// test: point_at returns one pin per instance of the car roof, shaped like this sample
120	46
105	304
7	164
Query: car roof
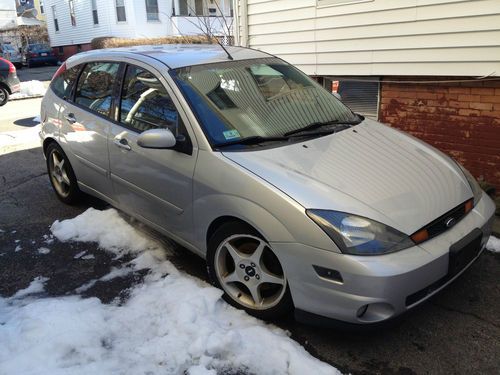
175	55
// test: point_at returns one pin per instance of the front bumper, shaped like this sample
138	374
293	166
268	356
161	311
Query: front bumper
373	289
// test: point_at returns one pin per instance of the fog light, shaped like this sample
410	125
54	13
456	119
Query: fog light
361	311
375	312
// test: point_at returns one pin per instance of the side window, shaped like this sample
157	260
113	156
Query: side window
145	103
95	86
64	82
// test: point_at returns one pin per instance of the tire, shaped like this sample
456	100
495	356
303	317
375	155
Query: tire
238	277
4	95
62	176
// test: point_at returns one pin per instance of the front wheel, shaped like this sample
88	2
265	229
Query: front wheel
4	96
244	266
61	175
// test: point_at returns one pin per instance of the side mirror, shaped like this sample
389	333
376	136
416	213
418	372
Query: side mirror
156	138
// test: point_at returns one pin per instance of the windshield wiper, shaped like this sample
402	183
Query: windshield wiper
253	140
317	125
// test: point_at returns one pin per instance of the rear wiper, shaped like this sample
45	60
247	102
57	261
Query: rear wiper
317	125
253	140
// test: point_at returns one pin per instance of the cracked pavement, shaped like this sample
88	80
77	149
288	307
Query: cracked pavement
457	331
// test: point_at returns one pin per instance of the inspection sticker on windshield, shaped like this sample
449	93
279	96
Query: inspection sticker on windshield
231	134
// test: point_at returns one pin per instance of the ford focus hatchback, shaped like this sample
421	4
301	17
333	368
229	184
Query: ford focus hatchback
296	203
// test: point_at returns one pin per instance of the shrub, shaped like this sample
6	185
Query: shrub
112	42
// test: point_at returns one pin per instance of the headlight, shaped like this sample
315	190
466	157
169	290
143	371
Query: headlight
358	235
476	189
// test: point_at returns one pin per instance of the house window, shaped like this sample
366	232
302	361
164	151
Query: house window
152	11
191	8
54	15
72	12
61	50
95	16
41	7
121	16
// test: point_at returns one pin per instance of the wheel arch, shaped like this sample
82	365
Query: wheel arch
46	142
221	220
5	86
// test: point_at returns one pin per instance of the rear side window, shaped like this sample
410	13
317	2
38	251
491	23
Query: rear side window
63	83
145	103
95	87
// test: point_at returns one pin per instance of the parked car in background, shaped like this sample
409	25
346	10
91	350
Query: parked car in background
294	201
40	54
9	52
9	83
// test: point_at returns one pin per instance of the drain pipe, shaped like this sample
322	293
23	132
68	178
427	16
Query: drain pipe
242	25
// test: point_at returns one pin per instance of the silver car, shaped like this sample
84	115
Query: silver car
297	203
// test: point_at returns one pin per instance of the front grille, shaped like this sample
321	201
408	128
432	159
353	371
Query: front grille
442	223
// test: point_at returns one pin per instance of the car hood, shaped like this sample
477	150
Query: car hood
369	170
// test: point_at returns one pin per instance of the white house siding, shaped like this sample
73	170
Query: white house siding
8	14
136	26
376	37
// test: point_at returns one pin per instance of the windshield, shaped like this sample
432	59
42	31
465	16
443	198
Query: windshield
9	48
256	98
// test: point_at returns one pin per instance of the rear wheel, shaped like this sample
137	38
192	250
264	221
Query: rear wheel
244	266
61	175
4	95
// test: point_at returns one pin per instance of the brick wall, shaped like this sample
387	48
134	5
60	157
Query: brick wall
69	51
461	119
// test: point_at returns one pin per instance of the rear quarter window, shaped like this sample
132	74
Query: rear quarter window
63	84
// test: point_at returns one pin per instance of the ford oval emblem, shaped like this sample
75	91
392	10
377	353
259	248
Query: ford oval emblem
450	222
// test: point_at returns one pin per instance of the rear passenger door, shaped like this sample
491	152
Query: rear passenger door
86	121
155	184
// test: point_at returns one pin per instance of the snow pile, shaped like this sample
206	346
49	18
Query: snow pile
30	89
493	244
106	228
20	139
171	324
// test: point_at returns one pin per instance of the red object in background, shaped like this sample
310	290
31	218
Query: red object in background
335	86
12	68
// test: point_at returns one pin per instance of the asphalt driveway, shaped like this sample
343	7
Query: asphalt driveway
457	331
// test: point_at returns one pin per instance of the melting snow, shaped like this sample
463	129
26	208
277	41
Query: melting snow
171	324
30	89
43	250
493	244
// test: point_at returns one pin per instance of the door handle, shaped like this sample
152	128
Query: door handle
70	118
122	143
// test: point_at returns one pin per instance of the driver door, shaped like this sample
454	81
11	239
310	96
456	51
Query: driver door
155	184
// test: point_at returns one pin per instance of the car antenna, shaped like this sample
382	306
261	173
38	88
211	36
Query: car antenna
224	48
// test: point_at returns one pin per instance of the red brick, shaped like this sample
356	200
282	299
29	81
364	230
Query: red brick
456	104
490	99
468	112
495	114
481	106
426	95
459	90
497	91
469	98
482	91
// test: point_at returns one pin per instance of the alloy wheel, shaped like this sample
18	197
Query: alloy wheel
249	272
59	174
